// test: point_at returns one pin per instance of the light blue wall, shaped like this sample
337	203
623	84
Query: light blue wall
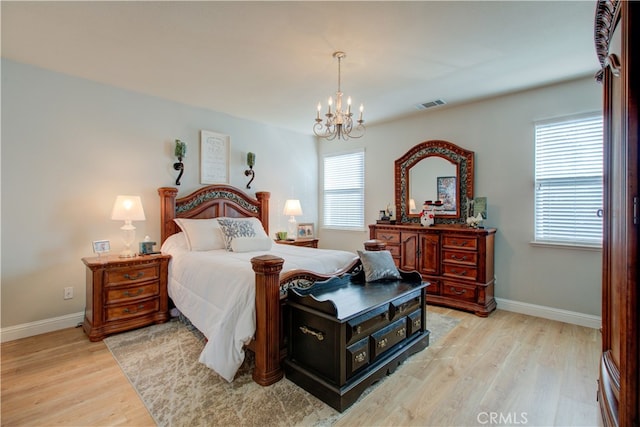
500	132
70	146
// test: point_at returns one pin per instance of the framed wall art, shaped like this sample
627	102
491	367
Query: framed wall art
214	158
447	193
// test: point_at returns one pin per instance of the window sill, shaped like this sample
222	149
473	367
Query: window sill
576	246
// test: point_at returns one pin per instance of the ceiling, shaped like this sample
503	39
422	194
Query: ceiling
271	62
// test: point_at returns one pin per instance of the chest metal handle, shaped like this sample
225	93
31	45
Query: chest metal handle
307	331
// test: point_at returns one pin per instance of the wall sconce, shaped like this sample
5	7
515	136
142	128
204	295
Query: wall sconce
251	161
180	152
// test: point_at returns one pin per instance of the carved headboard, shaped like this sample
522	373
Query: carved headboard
212	201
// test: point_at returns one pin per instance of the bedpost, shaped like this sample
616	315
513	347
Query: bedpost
263	198
167	211
267	339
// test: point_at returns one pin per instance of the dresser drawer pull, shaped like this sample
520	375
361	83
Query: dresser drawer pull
133	294
319	335
457	258
386	236
361	357
137	276
358	329
458	292
127	311
383	343
459	272
401	332
417	323
460	243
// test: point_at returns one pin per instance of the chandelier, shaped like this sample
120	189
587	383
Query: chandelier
338	124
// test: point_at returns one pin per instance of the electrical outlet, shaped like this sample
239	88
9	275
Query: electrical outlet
68	292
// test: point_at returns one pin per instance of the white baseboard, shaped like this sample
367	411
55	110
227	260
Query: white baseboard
40	327
575	318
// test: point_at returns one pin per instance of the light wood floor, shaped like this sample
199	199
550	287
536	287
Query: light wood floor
507	369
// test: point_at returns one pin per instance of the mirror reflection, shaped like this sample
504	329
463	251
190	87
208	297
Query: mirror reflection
433	178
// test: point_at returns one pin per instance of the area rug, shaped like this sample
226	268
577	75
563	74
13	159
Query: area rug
161	362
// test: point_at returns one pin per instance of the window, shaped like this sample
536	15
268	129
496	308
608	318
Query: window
343	195
568	181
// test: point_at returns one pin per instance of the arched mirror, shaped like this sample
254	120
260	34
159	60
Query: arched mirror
434	170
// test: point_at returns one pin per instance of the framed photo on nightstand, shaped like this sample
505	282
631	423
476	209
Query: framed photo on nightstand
305	231
101	246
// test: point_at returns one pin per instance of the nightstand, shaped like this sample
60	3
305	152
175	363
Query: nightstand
310	243
125	293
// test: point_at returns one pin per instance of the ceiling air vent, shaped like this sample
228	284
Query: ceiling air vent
430	104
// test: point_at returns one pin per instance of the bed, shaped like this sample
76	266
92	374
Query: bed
260	273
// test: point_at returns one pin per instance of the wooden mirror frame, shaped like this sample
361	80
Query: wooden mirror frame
463	159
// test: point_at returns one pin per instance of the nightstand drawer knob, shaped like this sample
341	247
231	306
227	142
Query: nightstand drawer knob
383	343
361	357
133	294
401	332
127	311
137	276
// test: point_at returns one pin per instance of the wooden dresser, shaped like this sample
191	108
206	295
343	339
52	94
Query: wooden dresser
125	293
344	335
455	259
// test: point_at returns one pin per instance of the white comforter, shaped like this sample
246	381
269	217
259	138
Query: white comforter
216	291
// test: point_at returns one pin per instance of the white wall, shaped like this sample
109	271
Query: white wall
500	132
70	146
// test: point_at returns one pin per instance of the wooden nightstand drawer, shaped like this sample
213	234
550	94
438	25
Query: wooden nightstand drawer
460	242
119	312
142	291
130	274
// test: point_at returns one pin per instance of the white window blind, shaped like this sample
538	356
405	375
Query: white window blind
344	191
568	181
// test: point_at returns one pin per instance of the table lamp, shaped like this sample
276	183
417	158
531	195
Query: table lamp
292	208
127	209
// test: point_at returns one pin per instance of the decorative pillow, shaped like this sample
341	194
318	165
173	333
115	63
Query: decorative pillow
378	265
233	228
251	244
201	234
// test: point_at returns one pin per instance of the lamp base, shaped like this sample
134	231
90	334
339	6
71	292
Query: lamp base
128	253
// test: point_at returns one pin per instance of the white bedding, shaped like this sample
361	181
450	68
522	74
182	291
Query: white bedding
215	289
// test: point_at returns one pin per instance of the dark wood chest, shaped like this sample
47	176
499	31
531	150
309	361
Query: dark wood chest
345	335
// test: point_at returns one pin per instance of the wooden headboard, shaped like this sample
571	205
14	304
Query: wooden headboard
212	201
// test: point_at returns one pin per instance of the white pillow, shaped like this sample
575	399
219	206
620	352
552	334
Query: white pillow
232	228
201	234
251	244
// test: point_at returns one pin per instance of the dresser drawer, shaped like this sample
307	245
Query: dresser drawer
386	338
459	291
125	311
460	257
460	242
357	356
142	291
122	275
388	236
460	271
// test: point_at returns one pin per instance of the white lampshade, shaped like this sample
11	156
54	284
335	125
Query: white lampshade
127	209
292	207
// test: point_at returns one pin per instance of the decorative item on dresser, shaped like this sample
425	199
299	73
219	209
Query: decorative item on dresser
616	38
125	293
456	259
